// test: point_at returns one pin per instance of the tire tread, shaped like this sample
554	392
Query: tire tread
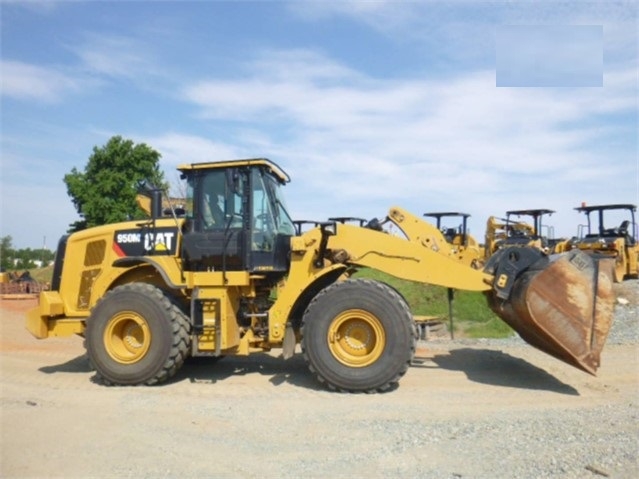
180	326
406	317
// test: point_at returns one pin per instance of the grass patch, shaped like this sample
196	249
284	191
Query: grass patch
42	275
493	328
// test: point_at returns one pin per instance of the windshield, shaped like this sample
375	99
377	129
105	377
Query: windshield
269	212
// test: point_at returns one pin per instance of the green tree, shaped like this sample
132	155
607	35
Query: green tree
105	191
6	253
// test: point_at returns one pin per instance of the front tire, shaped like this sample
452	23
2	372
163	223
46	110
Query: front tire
136	335
358	336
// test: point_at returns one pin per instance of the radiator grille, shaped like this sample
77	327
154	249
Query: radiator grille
94	254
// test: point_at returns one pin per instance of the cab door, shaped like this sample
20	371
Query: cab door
271	225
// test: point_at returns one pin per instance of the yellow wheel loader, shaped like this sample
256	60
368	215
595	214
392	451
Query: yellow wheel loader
618	242
233	274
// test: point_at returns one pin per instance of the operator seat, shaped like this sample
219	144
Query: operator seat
213	214
623	232
450	234
623	227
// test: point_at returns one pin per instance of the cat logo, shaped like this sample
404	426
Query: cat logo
145	241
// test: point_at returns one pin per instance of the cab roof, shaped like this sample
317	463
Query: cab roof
533	212
620	206
271	166
438	214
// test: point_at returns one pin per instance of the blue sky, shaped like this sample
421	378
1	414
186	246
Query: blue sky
366	105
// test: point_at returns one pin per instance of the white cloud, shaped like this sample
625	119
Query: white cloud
462	33
395	117
115	56
383	14
30	82
101	56
453	142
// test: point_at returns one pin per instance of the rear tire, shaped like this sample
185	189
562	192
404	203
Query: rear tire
358	336
136	335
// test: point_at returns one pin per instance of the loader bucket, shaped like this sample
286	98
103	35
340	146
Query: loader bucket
560	304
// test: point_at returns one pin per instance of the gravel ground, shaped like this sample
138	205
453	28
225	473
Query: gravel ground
557	439
547	445
625	328
466	409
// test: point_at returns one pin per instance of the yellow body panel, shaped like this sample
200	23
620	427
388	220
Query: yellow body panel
51	303
217	278
89	274
43	322
37	324
87	267
42	326
626	256
633	260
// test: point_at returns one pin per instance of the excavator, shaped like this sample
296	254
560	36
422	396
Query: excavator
233	274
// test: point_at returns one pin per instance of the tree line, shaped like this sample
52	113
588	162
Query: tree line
22	259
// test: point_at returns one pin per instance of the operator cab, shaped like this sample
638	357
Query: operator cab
597	228
236	219
457	235
521	235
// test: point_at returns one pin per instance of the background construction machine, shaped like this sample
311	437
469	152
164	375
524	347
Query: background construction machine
510	231
457	241
617	242
236	275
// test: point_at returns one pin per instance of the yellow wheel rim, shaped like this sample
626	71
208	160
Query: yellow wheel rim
127	337
356	338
